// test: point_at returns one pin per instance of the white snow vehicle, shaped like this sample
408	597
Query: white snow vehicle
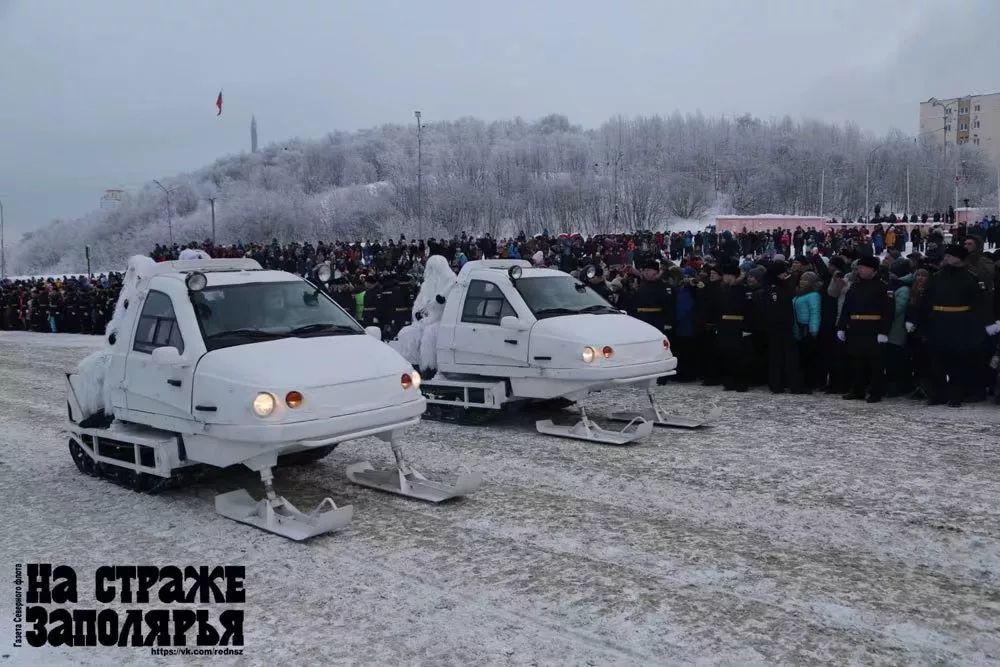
508	333
218	362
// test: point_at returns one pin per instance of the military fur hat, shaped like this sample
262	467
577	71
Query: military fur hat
956	250
901	267
777	267
869	261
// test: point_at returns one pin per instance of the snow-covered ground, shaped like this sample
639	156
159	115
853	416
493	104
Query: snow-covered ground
799	530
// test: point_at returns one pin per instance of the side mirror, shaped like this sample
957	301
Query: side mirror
511	322
168	356
374	332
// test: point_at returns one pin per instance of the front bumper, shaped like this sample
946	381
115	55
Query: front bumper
615	374
226	444
575	382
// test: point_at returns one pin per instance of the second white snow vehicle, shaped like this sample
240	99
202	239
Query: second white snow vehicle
510	333
218	362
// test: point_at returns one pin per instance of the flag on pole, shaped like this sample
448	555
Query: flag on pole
218	103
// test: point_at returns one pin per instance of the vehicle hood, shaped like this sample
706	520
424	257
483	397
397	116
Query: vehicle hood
337	375
592	329
304	362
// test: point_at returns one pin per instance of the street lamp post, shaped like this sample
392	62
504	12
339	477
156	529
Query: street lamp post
867	170
170	223
420	213
212	200
935	102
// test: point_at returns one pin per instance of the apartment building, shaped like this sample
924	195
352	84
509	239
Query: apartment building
974	119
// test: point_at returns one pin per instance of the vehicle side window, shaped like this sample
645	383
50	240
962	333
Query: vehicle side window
157	325
485	304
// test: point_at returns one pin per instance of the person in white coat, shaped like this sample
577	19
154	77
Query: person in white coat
417	342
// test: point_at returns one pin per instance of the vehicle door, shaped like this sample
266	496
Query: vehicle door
151	386
479	338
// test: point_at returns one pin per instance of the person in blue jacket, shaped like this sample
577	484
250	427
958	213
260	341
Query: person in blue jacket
807	305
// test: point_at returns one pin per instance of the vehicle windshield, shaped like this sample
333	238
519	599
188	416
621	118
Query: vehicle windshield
252	312
551	296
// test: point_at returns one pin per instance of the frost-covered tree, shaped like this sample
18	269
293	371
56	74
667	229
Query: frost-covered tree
514	175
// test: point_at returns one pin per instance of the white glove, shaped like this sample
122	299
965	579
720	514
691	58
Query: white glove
842	336
993	329
910	327
747	333
882	339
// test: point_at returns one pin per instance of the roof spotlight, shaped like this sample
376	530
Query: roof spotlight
324	273
196	281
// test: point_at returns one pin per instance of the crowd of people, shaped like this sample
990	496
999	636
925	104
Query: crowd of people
70	304
866	311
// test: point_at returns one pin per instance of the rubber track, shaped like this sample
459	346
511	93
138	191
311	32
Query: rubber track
128	478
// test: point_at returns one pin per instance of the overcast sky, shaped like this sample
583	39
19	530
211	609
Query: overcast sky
112	93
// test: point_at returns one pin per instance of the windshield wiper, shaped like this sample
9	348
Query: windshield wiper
323	328
246	333
555	311
598	307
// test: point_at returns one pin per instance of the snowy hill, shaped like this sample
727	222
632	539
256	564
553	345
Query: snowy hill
507	176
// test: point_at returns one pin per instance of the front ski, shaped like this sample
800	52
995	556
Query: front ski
657	416
404	480
413	484
281	517
277	515
585	429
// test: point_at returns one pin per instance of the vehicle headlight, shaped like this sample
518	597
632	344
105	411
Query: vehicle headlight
293	399
666	345
608	351
263	404
407	381
589	354
416	379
